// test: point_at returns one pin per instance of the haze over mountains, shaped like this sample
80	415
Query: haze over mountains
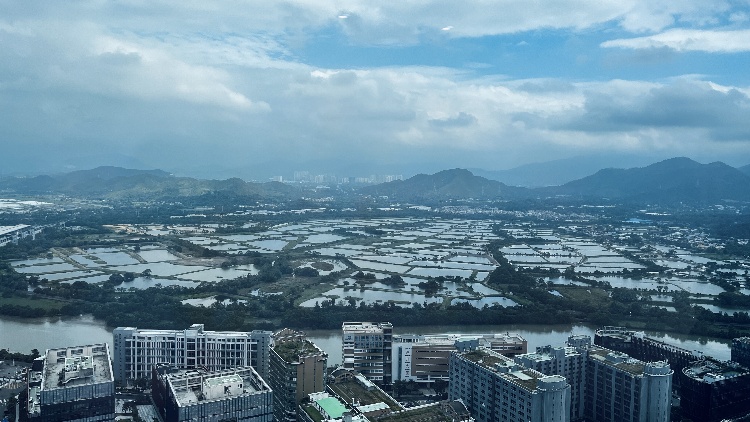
673	180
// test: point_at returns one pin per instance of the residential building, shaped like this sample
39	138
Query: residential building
424	358
741	351
236	394
12	234
297	369
621	389
72	384
567	361
713	391
366	348
494	388
138	351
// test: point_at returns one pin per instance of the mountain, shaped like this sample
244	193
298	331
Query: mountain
745	169
558	172
446	184
673	180
128	184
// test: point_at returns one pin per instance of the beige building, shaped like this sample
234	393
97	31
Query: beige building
297	369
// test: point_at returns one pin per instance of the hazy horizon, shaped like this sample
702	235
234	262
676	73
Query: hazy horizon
254	89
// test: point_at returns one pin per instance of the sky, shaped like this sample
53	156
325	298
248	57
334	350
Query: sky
259	88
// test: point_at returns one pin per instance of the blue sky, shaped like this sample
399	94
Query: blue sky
247	88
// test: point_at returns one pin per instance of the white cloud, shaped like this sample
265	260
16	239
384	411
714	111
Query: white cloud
711	41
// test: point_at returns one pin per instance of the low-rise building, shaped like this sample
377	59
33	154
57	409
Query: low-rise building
237	394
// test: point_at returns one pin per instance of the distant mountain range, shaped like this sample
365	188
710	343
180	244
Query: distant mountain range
669	181
446	184
119	183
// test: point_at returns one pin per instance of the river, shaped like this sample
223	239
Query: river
22	335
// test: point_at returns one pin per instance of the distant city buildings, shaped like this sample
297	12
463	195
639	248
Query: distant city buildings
237	394
72	384
138	351
366	348
297	369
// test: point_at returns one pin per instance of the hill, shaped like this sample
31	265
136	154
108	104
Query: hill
118	183
745	169
446	184
673	180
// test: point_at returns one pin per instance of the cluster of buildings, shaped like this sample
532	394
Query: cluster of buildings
12	234
201	375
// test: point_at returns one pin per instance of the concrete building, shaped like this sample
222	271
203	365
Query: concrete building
567	361
237	394
366	348
741	351
620	388
138	351
297	369
494	388
713	391
12	234
72	384
424	358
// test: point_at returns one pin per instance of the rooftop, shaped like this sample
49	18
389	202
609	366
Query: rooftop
10	229
190	387
617	360
79	365
710	370
352	390
293	350
505	368
365	327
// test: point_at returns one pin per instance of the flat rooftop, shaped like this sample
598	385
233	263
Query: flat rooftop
710	370
365	327
505	368
194	386
10	229
74	366
293	350
617	360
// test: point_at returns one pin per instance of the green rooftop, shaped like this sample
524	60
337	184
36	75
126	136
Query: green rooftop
292	350
332	406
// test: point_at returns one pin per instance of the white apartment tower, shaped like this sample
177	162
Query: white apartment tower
138	351
366	348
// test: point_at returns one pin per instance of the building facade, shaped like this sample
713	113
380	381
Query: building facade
366	348
237	394
72	384
297	369
494	388
138	351
567	361
621	389
741	351
424	358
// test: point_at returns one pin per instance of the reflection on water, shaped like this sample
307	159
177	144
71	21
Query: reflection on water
22	335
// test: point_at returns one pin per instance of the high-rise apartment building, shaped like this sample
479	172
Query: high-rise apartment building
366	348
622	389
568	361
494	388
138	351
72	384
297	369
236	394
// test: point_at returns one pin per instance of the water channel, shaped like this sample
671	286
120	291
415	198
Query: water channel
22	335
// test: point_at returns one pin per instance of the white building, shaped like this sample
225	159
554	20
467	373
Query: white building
494	388
138	351
12	234
366	348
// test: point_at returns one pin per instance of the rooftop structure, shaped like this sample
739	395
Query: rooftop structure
72	382
714	390
12	234
238	394
297	369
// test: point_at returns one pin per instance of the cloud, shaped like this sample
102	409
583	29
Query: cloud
710	41
460	120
